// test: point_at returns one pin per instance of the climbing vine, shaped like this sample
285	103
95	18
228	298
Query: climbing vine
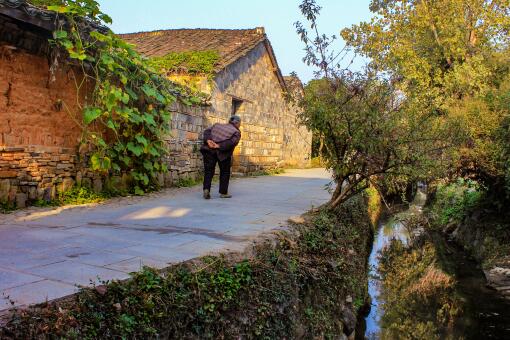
190	62
126	119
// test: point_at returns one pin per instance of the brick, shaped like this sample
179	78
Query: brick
8	174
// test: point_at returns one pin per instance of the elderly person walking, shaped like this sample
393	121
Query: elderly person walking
220	141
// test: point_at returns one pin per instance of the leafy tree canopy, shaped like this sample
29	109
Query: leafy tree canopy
451	58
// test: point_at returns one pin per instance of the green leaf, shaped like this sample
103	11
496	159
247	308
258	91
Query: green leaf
145	179
90	114
137	150
153	151
100	163
101	142
60	34
110	124
125	98
58	9
95	161
131	93
126	160
142	140
148	165
149	119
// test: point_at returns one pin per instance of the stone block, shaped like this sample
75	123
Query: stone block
32	193
8	173
67	184
86	182
113	183
126	181
97	185
12	193
5	188
79	177
21	200
161	179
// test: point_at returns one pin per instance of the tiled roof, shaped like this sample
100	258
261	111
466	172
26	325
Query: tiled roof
22	10
231	44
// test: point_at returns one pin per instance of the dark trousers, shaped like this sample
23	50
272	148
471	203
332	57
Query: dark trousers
210	160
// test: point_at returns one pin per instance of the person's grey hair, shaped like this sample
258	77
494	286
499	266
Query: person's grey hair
235	119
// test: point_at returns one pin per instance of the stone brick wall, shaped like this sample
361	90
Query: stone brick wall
184	160
297	140
40	119
37	172
270	136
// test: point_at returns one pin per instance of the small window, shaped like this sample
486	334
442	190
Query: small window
237	105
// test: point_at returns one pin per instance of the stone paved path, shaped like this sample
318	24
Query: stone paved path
47	255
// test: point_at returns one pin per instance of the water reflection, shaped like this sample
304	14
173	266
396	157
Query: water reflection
483	315
388	230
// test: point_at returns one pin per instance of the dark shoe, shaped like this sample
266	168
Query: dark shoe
207	194
225	196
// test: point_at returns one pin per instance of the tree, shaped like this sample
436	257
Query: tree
369	132
451	58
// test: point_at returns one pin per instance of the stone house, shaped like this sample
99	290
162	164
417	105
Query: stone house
247	81
40	115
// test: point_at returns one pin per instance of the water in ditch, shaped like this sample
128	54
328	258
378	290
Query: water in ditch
483	313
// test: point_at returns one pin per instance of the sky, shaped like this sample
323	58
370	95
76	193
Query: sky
276	16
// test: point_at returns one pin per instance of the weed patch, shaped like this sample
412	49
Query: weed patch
268	172
188	182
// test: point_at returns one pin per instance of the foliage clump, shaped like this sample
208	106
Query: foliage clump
292	286
125	119
453	202
189	62
75	196
368	132
466	210
449	58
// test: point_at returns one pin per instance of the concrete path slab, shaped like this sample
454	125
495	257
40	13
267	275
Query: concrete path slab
47	254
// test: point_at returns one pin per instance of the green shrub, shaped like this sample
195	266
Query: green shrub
454	201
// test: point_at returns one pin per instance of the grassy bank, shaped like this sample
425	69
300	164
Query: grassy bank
306	282
466	212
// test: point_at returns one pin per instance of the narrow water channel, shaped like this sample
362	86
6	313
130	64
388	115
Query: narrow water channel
485	315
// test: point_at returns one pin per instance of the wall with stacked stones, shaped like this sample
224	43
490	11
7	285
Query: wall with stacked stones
297	140
40	123
38	133
268	121
184	160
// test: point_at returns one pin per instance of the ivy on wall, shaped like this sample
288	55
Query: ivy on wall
126	119
189	62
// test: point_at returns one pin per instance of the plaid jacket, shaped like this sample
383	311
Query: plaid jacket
227	136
